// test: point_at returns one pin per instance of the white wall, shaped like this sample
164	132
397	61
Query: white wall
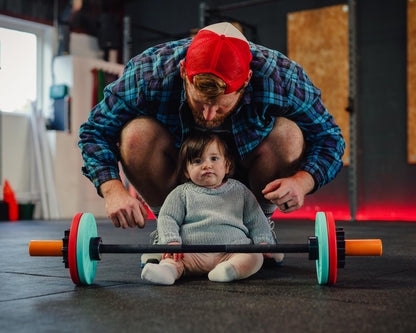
75	192
17	155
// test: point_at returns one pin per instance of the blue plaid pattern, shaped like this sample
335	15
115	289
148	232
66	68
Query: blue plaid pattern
151	85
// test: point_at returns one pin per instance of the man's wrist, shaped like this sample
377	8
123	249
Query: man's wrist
307	181
111	186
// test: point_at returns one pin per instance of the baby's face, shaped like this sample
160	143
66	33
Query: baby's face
210	169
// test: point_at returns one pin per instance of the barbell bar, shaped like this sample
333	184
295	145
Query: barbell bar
81	248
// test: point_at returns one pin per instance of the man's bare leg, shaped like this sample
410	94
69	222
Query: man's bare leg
276	157
149	157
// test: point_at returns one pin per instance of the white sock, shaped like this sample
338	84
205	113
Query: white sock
278	257
223	272
164	274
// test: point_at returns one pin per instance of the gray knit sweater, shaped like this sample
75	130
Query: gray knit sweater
229	214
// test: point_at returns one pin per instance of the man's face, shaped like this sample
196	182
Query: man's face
210	113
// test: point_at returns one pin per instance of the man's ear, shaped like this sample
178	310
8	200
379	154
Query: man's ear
183	69
250	73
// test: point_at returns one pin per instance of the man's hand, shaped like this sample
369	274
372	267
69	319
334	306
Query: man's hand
123	210
289	193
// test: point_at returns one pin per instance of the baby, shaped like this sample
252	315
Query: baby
208	209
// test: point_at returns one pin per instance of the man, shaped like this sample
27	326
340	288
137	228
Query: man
286	143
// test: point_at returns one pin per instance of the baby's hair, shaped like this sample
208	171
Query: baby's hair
194	146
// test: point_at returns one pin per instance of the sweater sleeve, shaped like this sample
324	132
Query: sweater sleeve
171	217
255	220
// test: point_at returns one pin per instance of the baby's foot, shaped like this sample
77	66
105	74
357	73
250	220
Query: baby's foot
159	274
223	272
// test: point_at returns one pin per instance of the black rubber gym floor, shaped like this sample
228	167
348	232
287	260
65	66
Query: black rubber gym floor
372	294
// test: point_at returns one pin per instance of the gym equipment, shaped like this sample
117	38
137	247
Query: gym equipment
81	248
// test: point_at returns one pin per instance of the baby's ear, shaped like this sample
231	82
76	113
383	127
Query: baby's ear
231	168
228	168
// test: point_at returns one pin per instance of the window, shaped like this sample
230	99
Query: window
25	52
18	70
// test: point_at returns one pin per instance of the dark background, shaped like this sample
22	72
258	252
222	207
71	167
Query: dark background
386	182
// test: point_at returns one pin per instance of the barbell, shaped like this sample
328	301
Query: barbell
81	248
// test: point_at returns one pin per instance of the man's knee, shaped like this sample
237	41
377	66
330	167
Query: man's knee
148	156
278	155
142	136
285	141
138	133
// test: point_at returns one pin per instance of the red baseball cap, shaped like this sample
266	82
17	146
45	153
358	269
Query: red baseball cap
220	49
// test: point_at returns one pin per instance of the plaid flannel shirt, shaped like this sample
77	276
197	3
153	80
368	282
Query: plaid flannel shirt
151	85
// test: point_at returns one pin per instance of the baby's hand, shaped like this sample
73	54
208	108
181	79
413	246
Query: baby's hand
266	255
174	256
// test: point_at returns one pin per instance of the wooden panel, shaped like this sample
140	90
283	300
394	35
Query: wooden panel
318	41
411	81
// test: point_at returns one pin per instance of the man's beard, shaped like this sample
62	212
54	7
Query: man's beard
200	120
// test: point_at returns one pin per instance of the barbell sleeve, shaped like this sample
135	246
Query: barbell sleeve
51	248
363	247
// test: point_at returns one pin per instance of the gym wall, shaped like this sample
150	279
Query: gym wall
386	182
386	179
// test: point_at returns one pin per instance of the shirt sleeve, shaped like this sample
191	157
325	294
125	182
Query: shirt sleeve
100	135
324	141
